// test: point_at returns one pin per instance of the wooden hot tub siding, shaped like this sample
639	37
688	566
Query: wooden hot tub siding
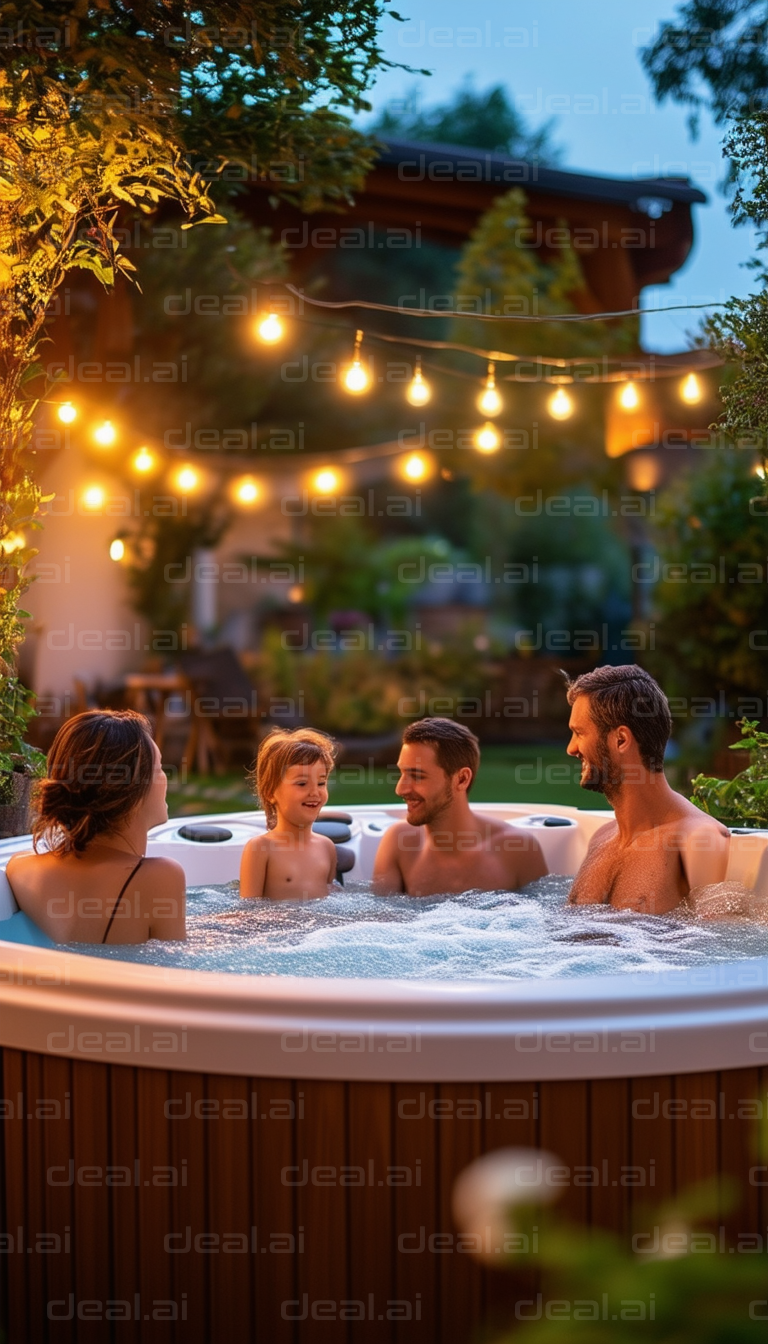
229	1181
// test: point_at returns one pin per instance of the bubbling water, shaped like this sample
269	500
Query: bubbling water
475	936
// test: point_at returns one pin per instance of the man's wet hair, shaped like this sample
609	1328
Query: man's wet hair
455	746
627	696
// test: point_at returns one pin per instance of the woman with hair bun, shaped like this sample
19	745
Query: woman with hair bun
103	791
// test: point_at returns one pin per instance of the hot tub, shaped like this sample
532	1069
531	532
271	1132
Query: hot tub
199	1156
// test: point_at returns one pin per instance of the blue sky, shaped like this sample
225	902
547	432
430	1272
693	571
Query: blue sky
559	59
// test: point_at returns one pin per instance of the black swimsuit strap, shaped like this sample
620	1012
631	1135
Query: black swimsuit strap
126	883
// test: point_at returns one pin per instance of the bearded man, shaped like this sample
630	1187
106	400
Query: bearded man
443	846
660	846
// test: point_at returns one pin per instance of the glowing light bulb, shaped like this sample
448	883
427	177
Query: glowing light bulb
117	549
690	390
67	412
14	541
489	401
326	481
105	434
487	439
143	460
356	379
418	392
93	497
246	491
560	405
187	479
270	329
415	467
629	398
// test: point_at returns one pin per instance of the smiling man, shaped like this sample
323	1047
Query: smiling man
660	846
443	846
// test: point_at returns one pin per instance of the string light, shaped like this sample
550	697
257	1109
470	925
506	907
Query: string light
690	389
187	479
270	329
629	398
489	401
560	405
117	549
246	490
105	434
419	391
415	468
144	461
93	497
326	481
356	377
67	412
487	438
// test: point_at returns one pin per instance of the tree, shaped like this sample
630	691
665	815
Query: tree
486	120
713	53
109	105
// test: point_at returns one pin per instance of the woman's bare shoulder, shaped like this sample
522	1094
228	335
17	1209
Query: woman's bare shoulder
163	869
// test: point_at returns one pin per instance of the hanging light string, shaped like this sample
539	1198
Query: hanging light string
626	369
492	317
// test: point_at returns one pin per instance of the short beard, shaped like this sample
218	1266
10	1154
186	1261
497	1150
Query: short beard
604	777
438	805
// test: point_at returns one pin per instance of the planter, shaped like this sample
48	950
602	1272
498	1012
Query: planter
15	814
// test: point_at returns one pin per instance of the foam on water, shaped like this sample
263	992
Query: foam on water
475	936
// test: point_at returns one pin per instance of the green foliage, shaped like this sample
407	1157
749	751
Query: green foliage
365	692
608	1295
709	534
714	53
742	801
349	569
486	120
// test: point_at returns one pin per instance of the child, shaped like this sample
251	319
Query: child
291	782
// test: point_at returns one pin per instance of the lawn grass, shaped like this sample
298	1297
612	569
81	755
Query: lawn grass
508	774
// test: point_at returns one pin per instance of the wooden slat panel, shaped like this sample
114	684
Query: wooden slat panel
563	1131
609	1157
739	1098
35	1222
680	1130
652	1147
124	1154
188	1204
416	1142
155	1207
280	1109
695	1127
59	1200
460	1124
510	1120
90	1131
16	1178
229	1180
321	1151
372	1246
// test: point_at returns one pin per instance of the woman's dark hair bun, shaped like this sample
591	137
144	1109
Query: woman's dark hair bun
100	767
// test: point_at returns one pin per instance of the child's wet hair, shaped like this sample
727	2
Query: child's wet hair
281	749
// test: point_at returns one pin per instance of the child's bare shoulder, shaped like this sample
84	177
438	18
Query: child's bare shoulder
259	842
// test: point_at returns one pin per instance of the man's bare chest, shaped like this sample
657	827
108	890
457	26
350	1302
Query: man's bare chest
628	875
